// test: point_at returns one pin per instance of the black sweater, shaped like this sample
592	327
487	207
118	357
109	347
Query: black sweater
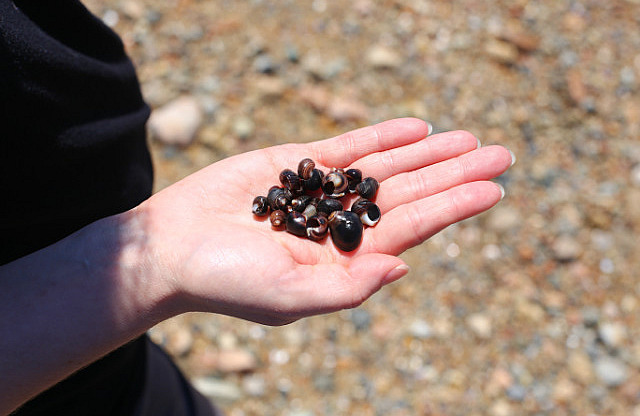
72	150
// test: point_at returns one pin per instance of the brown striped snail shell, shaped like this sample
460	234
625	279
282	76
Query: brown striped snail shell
346	230
317	227
297	224
367	188
290	180
305	168
260	206
278	218
368	211
354	177
335	184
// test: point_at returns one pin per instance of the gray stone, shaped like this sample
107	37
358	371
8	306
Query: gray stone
612	335
254	385
420	329
361	319
611	371
265	64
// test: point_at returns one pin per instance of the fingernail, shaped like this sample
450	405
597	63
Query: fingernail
429	128
479	143
502	193
513	158
396	273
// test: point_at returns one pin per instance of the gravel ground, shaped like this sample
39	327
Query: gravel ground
529	309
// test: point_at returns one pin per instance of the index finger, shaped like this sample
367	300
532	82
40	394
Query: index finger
342	150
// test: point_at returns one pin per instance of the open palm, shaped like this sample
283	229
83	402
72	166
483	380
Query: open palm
221	258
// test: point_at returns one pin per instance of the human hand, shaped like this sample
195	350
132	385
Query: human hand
216	256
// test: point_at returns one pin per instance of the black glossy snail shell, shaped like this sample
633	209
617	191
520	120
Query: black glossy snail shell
305	168
368	211
329	205
299	203
335	184
346	230
367	188
290	180
317	227
297	224
354	177
278	199
314	182
260	206
278	218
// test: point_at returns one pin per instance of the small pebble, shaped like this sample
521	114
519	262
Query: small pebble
611	371
265	64
361	319
480	324
243	127
566	248
177	122
580	367
236	361
612	335
217	390
254	385
501	51
420	329
382	57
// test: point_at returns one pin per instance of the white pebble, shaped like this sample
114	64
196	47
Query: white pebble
177	122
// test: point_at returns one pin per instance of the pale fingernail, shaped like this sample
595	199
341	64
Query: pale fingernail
502	192
479	143
396	273
429	128
513	158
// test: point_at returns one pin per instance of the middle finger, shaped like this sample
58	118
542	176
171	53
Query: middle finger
481	164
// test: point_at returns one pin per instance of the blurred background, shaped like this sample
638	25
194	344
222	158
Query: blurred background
532	308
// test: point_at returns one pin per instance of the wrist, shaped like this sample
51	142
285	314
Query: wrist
139	265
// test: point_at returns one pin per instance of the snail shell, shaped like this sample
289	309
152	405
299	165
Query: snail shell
297	224
335	184
317	227
368	212
300	203
346	230
327	206
277	198
290	180
310	211
305	168
314	181
367	188
354	177
278	217
260	206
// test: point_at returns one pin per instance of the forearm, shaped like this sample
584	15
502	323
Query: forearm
67	305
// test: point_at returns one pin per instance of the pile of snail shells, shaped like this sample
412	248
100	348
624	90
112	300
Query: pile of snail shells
293	206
